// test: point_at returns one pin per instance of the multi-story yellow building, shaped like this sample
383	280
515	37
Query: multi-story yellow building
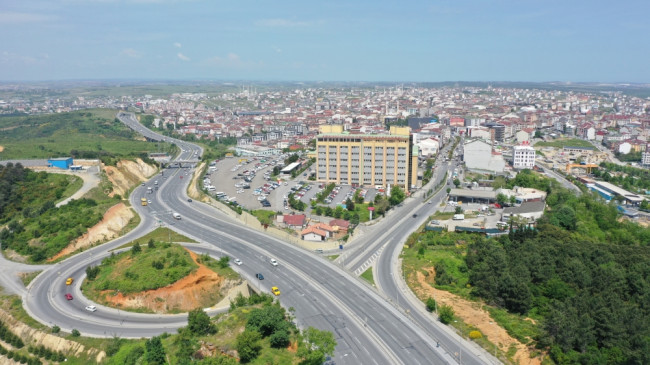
366	159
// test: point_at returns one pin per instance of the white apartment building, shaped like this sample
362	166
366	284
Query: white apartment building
523	156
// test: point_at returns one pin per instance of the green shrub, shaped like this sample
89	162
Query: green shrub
431	304
75	333
446	314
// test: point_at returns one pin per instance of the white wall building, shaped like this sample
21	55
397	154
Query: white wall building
478	156
428	147
523	156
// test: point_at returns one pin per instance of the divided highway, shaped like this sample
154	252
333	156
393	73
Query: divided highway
369	329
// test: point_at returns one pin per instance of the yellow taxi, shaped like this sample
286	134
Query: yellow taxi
69	281
275	290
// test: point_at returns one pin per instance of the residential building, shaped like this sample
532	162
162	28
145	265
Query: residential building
366	159
478	156
523	156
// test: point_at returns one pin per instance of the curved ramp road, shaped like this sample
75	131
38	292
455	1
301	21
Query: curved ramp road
368	328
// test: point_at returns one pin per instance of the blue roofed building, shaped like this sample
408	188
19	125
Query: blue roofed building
62	162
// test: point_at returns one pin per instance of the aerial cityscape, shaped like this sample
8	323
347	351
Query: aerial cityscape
188	182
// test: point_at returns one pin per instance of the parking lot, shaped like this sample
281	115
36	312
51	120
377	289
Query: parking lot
247	182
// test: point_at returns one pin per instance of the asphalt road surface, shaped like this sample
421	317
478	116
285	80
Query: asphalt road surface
368	327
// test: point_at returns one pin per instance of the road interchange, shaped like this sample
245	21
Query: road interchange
369	327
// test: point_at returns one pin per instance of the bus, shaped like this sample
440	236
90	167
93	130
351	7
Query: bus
143	201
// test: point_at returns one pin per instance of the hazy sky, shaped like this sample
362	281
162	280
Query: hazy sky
354	40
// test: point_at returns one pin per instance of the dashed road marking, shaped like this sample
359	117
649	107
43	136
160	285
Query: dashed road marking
368	262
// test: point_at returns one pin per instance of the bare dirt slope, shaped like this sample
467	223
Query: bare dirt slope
35	337
473	314
111	225
202	288
126	174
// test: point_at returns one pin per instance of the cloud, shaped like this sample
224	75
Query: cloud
14	58
21	18
177	45
131	53
282	23
182	57
277	49
232	60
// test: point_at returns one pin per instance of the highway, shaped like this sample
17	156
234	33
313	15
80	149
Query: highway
369	328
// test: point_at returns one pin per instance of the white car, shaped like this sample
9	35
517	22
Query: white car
274	262
237	261
91	308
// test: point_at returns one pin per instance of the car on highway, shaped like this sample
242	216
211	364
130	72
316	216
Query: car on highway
259	276
415	215
91	308
69	281
68	296
189	200
237	261
273	262
275	290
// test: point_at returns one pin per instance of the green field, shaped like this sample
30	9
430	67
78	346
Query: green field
561	143
92	134
130	272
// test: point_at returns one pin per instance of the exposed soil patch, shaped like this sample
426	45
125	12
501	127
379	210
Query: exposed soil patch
202	288
127	174
193	191
35	337
2	148
473	314
109	227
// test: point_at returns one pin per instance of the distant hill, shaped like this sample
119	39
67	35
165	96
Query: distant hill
93	133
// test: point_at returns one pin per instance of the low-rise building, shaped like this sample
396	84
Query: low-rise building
523	156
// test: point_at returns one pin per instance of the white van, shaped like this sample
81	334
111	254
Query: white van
176	216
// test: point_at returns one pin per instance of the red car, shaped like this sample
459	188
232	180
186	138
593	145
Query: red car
68	296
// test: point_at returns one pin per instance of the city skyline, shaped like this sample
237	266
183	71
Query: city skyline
293	41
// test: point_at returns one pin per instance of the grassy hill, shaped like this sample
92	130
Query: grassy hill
93	133
132	271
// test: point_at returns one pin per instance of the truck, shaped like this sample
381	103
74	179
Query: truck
143	201
149	190
459	217
176	216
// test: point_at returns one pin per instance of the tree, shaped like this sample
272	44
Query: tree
266	320
136	249
501	199
431	304
566	218
456	182
155	352
458	210
315	346
446	314
198	322
397	195
92	272
279	339
224	262
349	205
151	244
248	345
